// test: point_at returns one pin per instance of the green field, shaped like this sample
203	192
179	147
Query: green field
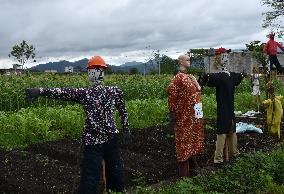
23	123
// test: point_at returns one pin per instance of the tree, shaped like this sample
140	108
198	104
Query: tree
23	53
78	68
108	71
256	49
15	66
197	59
166	65
133	70
198	53
274	18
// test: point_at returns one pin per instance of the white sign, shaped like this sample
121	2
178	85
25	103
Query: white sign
198	110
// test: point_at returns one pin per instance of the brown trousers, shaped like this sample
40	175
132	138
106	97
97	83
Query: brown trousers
183	169
229	140
187	167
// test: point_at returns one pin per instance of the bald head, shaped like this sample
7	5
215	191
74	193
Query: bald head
182	58
184	62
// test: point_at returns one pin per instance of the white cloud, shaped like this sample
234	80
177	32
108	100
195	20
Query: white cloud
70	29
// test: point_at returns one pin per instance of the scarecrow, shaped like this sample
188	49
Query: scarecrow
225	83
274	111
100	132
270	49
184	101
255	86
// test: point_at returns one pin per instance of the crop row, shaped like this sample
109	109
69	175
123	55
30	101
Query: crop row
12	97
36	124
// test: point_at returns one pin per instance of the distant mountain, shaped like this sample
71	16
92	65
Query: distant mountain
133	63
60	66
81	66
126	67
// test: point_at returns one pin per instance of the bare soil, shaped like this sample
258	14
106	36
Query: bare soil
54	167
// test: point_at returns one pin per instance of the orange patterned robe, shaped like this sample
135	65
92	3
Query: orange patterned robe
183	94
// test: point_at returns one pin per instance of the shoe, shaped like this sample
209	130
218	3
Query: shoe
195	172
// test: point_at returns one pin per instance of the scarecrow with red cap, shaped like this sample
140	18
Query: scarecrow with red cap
270	49
100	131
225	83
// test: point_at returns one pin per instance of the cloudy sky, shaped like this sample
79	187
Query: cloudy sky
126	30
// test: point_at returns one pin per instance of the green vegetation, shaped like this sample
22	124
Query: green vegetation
23	123
36	124
134	87
260	173
256	49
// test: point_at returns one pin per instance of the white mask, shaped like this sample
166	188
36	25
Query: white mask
96	75
224	62
224	59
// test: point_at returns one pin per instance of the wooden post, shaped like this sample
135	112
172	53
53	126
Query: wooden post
226	150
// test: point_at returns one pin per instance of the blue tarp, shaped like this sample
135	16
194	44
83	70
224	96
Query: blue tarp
245	127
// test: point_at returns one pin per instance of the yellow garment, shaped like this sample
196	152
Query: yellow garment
273	121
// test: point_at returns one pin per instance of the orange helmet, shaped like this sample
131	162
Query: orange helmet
96	61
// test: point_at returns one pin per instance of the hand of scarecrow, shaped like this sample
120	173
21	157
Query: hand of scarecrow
32	93
199	79
172	120
203	79
245	75
263	105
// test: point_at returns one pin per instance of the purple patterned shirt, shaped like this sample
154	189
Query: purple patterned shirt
98	103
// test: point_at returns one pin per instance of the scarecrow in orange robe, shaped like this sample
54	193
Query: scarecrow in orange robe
184	101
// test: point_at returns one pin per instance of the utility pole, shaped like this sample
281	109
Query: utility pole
159	61
211	53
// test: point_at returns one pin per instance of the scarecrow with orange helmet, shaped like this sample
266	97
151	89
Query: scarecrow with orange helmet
100	131
270	49
225	83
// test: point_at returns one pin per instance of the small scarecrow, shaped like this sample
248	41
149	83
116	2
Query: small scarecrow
255	86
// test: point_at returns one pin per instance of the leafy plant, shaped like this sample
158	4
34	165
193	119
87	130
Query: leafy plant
254	174
256	49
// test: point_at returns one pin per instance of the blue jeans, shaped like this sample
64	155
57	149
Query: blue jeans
92	164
